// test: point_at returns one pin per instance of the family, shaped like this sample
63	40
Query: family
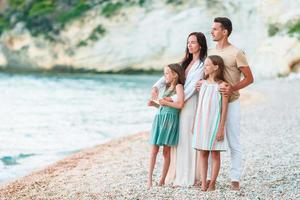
199	112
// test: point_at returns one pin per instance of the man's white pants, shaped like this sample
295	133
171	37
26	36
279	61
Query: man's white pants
233	140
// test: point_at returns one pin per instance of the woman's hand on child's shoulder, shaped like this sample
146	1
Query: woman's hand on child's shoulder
198	84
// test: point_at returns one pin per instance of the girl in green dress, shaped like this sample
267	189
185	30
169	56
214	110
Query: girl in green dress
165	125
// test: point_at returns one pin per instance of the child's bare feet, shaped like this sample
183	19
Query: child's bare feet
149	184
207	183
161	183
197	184
203	187
212	186
235	185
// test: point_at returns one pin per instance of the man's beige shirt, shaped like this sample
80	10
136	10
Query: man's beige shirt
234	58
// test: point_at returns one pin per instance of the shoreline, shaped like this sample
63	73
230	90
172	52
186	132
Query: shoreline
83	157
118	169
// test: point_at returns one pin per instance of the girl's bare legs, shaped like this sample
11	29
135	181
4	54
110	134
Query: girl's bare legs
203	168
215	170
153	155
166	154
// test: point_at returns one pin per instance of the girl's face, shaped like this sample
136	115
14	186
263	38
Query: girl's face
193	44
170	76
209	67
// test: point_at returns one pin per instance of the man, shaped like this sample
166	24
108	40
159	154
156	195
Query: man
235	65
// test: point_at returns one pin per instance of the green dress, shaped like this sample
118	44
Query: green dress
165	125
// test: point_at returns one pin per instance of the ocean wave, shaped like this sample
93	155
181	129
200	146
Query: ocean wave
13	160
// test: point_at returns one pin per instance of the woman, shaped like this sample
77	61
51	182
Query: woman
182	171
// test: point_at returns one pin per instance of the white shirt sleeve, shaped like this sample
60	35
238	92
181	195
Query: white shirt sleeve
161	83
190	88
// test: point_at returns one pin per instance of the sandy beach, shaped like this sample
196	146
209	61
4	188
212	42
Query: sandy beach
118	169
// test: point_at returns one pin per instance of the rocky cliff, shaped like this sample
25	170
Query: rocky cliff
143	35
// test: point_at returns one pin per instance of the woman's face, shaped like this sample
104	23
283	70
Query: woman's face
209	67
169	75
193	45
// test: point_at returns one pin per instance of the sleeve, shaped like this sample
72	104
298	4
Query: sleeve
241	59
190	88
161	83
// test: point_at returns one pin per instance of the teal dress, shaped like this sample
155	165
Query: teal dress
165	125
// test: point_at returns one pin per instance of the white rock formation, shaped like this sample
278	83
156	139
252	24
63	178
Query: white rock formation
151	37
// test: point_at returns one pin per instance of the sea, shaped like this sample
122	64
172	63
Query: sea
45	117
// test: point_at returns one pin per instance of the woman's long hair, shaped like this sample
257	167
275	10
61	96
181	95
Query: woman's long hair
201	39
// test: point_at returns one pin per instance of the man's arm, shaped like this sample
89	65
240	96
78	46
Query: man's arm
247	80
227	89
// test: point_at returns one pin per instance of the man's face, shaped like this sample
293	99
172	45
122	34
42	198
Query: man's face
217	32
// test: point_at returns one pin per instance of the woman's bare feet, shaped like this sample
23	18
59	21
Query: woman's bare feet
235	185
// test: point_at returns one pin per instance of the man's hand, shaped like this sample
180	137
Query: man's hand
226	89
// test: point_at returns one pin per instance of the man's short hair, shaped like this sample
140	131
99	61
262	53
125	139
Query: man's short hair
225	23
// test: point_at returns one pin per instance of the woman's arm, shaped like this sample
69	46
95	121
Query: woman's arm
152	103
190	87
161	83
180	99
198	88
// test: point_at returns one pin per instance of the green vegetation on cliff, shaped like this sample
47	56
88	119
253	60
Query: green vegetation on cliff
49	17
292	28
94	36
42	17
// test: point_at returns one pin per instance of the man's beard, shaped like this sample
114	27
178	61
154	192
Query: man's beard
216	39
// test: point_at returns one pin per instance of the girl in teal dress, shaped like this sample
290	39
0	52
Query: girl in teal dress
165	125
